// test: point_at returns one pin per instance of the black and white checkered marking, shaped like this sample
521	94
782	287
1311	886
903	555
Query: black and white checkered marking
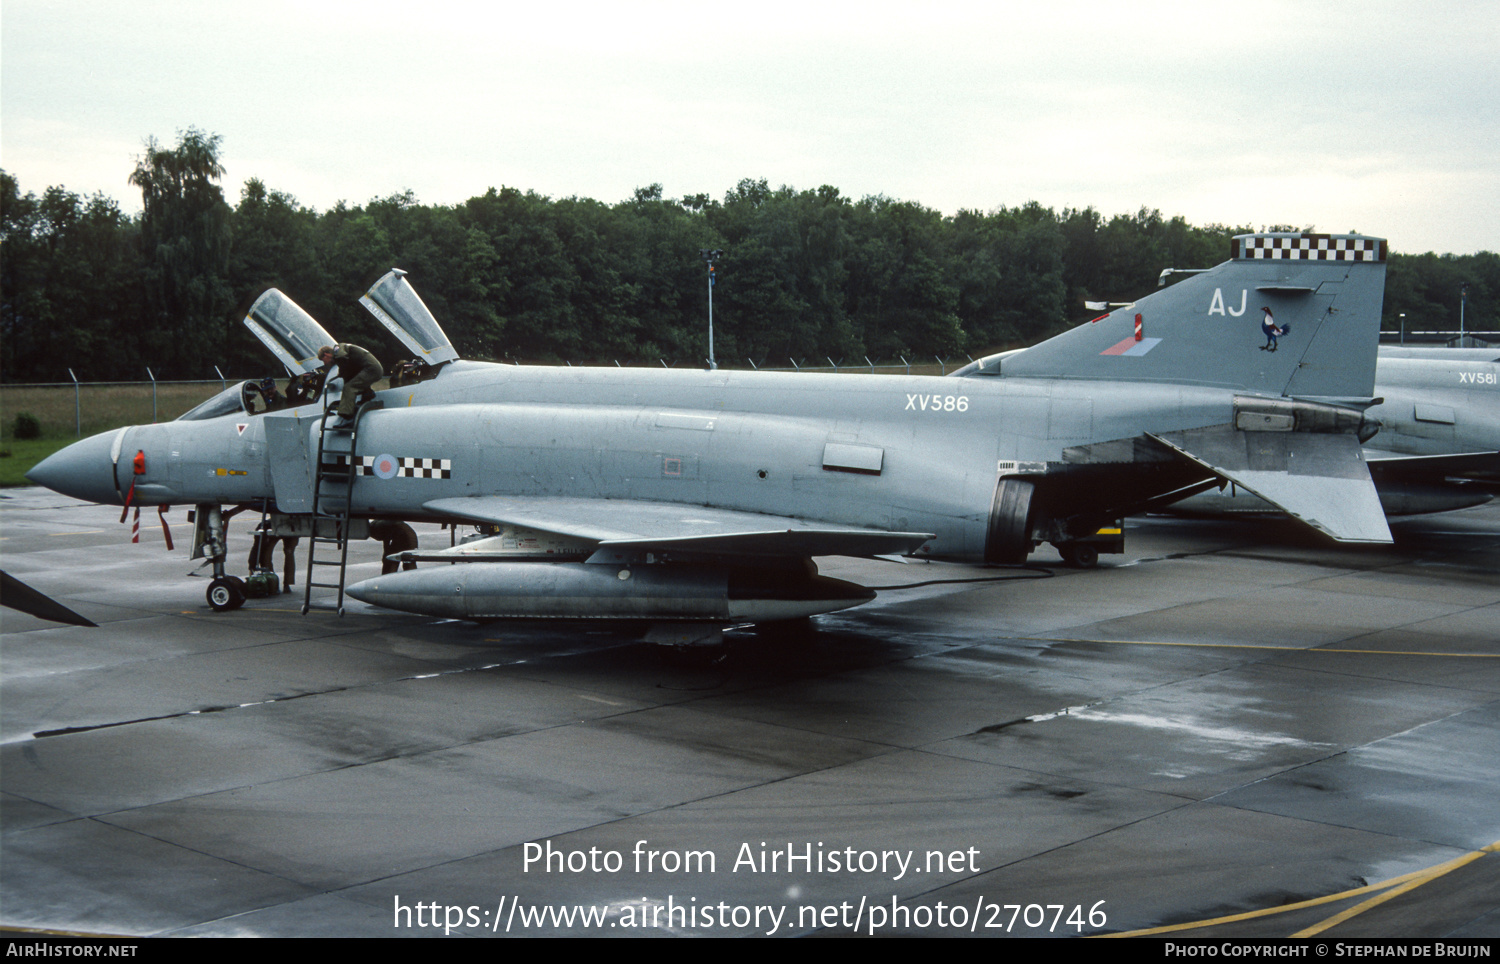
1310	247
407	467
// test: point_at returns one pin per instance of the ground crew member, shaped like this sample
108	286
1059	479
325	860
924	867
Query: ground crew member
358	368
395	537
262	556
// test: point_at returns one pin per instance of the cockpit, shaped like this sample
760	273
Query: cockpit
258	396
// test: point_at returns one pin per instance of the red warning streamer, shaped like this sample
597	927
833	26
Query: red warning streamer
130	494
139	465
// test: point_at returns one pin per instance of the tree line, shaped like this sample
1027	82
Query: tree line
518	276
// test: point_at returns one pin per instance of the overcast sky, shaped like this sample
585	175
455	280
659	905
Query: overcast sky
1377	117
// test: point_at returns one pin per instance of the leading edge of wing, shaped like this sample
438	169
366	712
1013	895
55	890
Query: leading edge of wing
664	526
1319	479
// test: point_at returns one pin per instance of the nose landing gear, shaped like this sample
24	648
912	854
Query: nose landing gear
225	592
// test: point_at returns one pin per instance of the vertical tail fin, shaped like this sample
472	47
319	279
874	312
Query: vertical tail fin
1323	293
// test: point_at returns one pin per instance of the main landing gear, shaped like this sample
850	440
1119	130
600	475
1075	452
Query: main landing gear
1079	555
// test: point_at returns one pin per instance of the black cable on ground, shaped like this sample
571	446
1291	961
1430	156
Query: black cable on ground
1038	572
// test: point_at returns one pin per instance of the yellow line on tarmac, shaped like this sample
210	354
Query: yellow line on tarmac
1392	888
52	932
1426	876
1264	912
1290	649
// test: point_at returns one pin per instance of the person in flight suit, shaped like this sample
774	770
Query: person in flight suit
358	368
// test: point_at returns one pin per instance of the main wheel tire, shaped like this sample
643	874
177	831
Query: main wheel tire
226	593
1008	541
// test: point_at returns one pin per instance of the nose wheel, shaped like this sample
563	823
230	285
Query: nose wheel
226	593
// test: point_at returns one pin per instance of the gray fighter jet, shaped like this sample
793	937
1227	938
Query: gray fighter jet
691	499
1439	444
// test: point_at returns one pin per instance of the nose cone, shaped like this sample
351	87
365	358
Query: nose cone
85	470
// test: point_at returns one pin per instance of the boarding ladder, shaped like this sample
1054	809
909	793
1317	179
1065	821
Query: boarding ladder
337	467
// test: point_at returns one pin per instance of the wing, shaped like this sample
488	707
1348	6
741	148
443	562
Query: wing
637	524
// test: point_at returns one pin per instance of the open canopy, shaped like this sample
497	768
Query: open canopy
396	304
291	333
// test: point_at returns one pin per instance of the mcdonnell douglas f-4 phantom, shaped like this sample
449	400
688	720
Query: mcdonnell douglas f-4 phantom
699	498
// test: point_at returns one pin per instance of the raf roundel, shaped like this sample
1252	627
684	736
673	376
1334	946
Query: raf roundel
386	466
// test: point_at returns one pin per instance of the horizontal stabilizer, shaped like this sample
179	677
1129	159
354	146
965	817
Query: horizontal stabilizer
1320	479
636	524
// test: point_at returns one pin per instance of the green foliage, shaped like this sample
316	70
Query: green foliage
70	283
185	241
1009	269
515	275
1120	259
1427	289
19	457
27	426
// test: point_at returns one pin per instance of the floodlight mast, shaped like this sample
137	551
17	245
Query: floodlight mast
1463	300
710	255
